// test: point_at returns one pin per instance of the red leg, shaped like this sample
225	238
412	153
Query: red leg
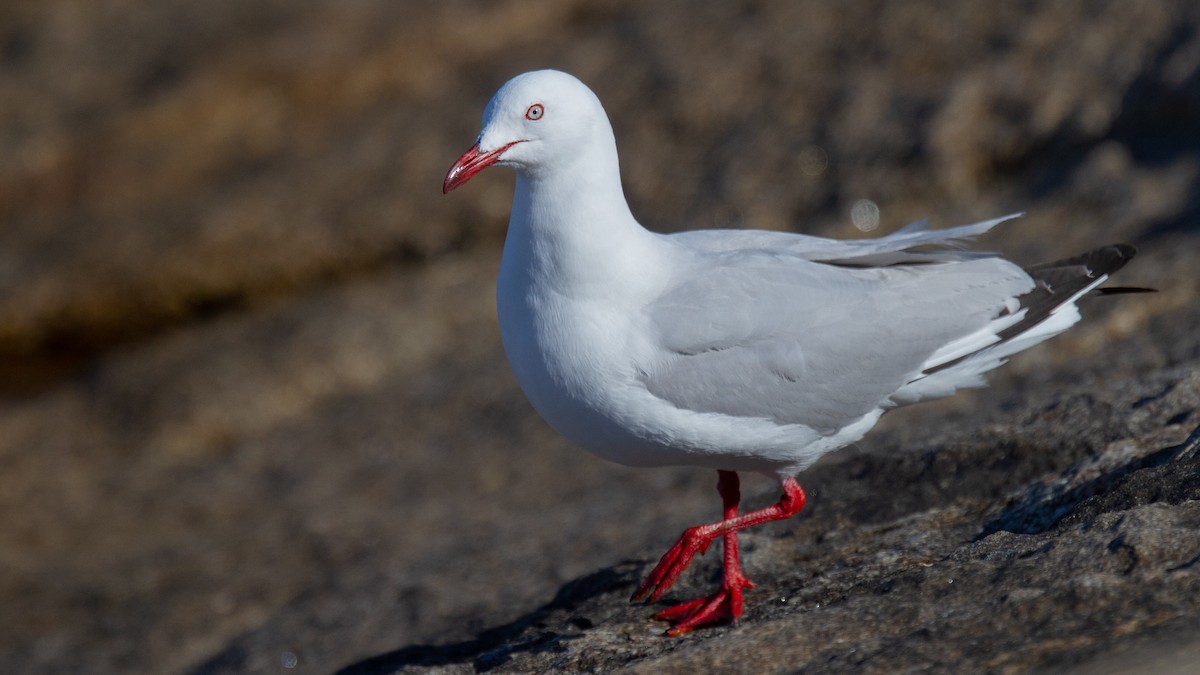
727	602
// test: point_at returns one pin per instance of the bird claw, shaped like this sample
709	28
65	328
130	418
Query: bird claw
693	540
724	605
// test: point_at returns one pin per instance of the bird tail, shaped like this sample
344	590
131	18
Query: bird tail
1048	309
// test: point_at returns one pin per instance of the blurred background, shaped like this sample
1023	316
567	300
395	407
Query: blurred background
248	354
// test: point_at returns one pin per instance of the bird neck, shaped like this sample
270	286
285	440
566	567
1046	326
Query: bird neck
572	227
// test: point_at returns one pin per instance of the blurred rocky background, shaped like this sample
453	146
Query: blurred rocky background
255	417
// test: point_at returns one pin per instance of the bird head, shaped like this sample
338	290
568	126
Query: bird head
537	122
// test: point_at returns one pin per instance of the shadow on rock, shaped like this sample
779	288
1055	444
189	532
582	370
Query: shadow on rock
495	646
1044	506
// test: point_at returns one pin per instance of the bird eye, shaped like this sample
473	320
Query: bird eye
535	112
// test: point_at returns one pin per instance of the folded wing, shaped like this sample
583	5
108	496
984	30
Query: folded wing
811	343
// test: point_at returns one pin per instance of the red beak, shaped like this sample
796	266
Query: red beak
471	163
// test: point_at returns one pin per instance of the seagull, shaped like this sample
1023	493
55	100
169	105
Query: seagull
734	350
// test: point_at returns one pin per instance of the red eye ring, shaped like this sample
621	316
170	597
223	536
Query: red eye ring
534	112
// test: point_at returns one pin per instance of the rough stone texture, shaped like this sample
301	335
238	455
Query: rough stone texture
254	413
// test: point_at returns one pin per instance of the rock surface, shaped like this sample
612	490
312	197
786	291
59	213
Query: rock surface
254	416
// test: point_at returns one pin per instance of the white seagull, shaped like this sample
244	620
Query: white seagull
736	350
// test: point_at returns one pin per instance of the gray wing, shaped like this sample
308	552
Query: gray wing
758	334
912	244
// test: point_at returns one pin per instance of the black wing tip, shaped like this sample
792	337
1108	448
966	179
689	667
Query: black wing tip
1108	259
1121	254
1103	260
1124	253
1123	290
